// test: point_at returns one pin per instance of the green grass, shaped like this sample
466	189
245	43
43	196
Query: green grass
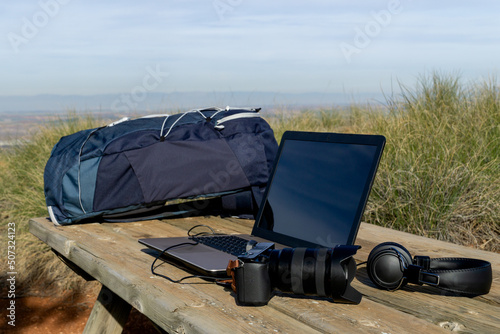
22	197
439	175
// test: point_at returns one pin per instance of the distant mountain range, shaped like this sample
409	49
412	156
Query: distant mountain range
143	101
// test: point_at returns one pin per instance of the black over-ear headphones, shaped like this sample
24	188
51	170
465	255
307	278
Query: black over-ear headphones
390	266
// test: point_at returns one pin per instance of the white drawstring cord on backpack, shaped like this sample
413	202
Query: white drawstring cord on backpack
177	120
221	110
161	131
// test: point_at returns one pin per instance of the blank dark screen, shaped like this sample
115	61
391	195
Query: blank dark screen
317	190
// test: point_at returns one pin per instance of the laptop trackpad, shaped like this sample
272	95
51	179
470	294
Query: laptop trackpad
205	258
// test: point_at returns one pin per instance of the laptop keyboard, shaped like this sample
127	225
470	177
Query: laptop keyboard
227	243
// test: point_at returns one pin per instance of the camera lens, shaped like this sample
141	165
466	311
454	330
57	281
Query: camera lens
324	272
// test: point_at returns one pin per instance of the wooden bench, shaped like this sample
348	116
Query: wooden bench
110	253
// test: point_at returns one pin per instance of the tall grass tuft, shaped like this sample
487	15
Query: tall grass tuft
443	177
439	175
22	198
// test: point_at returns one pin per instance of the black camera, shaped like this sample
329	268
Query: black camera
324	272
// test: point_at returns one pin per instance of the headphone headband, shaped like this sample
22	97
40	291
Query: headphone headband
461	275
390	266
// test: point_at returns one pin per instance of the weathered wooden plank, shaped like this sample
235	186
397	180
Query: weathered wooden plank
175	307
478	314
321	319
472	313
324	321
115	246
469	314
370	235
108	315
417	245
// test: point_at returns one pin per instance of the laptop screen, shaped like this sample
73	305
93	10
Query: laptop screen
319	189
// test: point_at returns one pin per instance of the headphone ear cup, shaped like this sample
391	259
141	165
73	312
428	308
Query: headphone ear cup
386	265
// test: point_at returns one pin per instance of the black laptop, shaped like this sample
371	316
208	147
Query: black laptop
315	197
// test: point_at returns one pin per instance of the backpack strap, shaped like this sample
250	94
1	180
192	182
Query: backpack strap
242	204
158	212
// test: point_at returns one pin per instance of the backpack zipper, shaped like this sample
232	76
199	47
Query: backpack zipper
235	116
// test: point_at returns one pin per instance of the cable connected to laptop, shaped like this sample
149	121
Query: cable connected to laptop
328	272
260	269
194	243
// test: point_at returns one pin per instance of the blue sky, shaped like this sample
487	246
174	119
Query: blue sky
351	48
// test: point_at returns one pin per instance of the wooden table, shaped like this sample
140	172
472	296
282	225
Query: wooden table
110	253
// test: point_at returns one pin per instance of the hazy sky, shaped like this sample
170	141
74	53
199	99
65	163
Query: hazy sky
109	47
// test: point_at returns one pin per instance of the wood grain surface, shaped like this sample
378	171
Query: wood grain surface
110	253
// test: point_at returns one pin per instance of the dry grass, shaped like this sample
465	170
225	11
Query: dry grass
439	176
22	197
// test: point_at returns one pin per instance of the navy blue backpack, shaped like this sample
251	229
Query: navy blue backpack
131	167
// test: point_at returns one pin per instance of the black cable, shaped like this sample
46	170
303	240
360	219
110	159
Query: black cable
201	233
163	252
361	263
216	280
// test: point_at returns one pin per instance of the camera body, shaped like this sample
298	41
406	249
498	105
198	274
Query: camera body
324	272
